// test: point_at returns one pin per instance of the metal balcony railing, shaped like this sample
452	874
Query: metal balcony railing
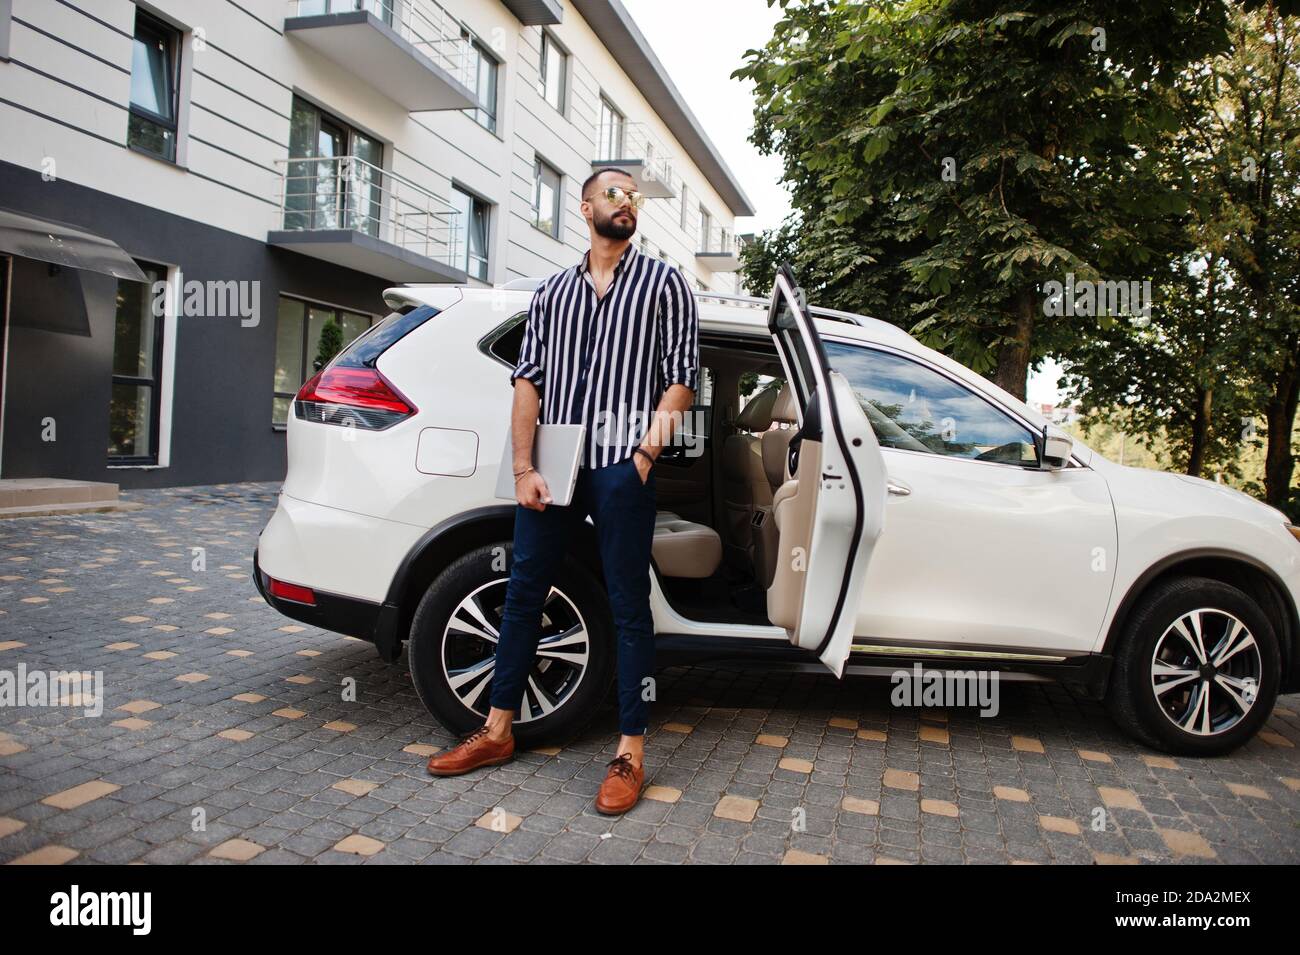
621	141
422	23
349	193
718	248
718	239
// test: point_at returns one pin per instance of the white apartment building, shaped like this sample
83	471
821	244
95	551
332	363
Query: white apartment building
286	160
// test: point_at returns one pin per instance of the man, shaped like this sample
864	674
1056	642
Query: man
612	343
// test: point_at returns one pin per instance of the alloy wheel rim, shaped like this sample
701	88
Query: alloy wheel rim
469	643
1205	672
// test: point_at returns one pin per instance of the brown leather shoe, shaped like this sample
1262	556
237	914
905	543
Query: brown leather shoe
471	752
622	786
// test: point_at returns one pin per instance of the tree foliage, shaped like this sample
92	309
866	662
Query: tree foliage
331	343
948	159
1223	347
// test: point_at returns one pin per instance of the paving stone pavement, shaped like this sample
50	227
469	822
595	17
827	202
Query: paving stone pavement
225	737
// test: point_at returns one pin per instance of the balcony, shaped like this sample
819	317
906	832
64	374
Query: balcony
633	147
349	212
535	13
411	51
720	250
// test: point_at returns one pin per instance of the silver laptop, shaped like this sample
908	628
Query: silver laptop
557	448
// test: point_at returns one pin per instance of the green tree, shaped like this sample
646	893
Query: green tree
331	343
1253	129
1175	379
1223	345
949	157
760	258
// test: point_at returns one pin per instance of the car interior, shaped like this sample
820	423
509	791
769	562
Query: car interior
716	538
720	483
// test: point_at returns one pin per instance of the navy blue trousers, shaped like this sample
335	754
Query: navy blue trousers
622	508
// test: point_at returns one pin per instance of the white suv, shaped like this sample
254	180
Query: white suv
840	494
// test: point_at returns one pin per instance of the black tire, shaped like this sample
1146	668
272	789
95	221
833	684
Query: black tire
1154	718
431	646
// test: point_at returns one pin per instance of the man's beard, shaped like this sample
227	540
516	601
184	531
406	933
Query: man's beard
615	230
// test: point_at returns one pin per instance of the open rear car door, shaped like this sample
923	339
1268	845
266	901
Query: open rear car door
831	508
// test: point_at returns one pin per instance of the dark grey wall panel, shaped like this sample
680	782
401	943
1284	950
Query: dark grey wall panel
41	381
221	410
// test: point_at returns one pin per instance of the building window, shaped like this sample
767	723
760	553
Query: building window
482	83
133	410
470	237
551	72
686	210
612	125
645	246
155	58
297	346
546	198
335	178
706	226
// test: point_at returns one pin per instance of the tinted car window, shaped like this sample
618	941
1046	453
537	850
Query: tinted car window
507	345
914	408
364	350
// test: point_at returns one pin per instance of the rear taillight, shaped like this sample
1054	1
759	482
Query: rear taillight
353	397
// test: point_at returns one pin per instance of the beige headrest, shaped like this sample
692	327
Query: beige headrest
785	409
757	413
775	446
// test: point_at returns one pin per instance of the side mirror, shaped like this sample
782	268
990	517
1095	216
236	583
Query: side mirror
1057	445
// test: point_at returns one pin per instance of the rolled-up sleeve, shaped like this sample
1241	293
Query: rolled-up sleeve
679	333
532	353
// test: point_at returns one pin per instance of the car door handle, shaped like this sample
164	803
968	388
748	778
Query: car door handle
898	488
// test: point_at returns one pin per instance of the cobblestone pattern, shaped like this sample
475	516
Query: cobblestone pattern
225	738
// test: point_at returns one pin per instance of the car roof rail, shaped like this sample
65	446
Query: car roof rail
729	299
522	285
725	298
833	314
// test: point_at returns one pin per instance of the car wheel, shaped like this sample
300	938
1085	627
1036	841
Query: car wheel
452	647
1197	668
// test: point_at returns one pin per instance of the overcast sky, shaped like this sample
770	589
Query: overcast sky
700	61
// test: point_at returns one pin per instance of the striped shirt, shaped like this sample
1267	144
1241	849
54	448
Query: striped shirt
605	362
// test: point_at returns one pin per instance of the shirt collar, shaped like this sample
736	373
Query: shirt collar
623	260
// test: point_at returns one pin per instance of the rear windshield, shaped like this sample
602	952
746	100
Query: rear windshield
365	349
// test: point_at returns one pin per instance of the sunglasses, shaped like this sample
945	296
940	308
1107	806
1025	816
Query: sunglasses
616	196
